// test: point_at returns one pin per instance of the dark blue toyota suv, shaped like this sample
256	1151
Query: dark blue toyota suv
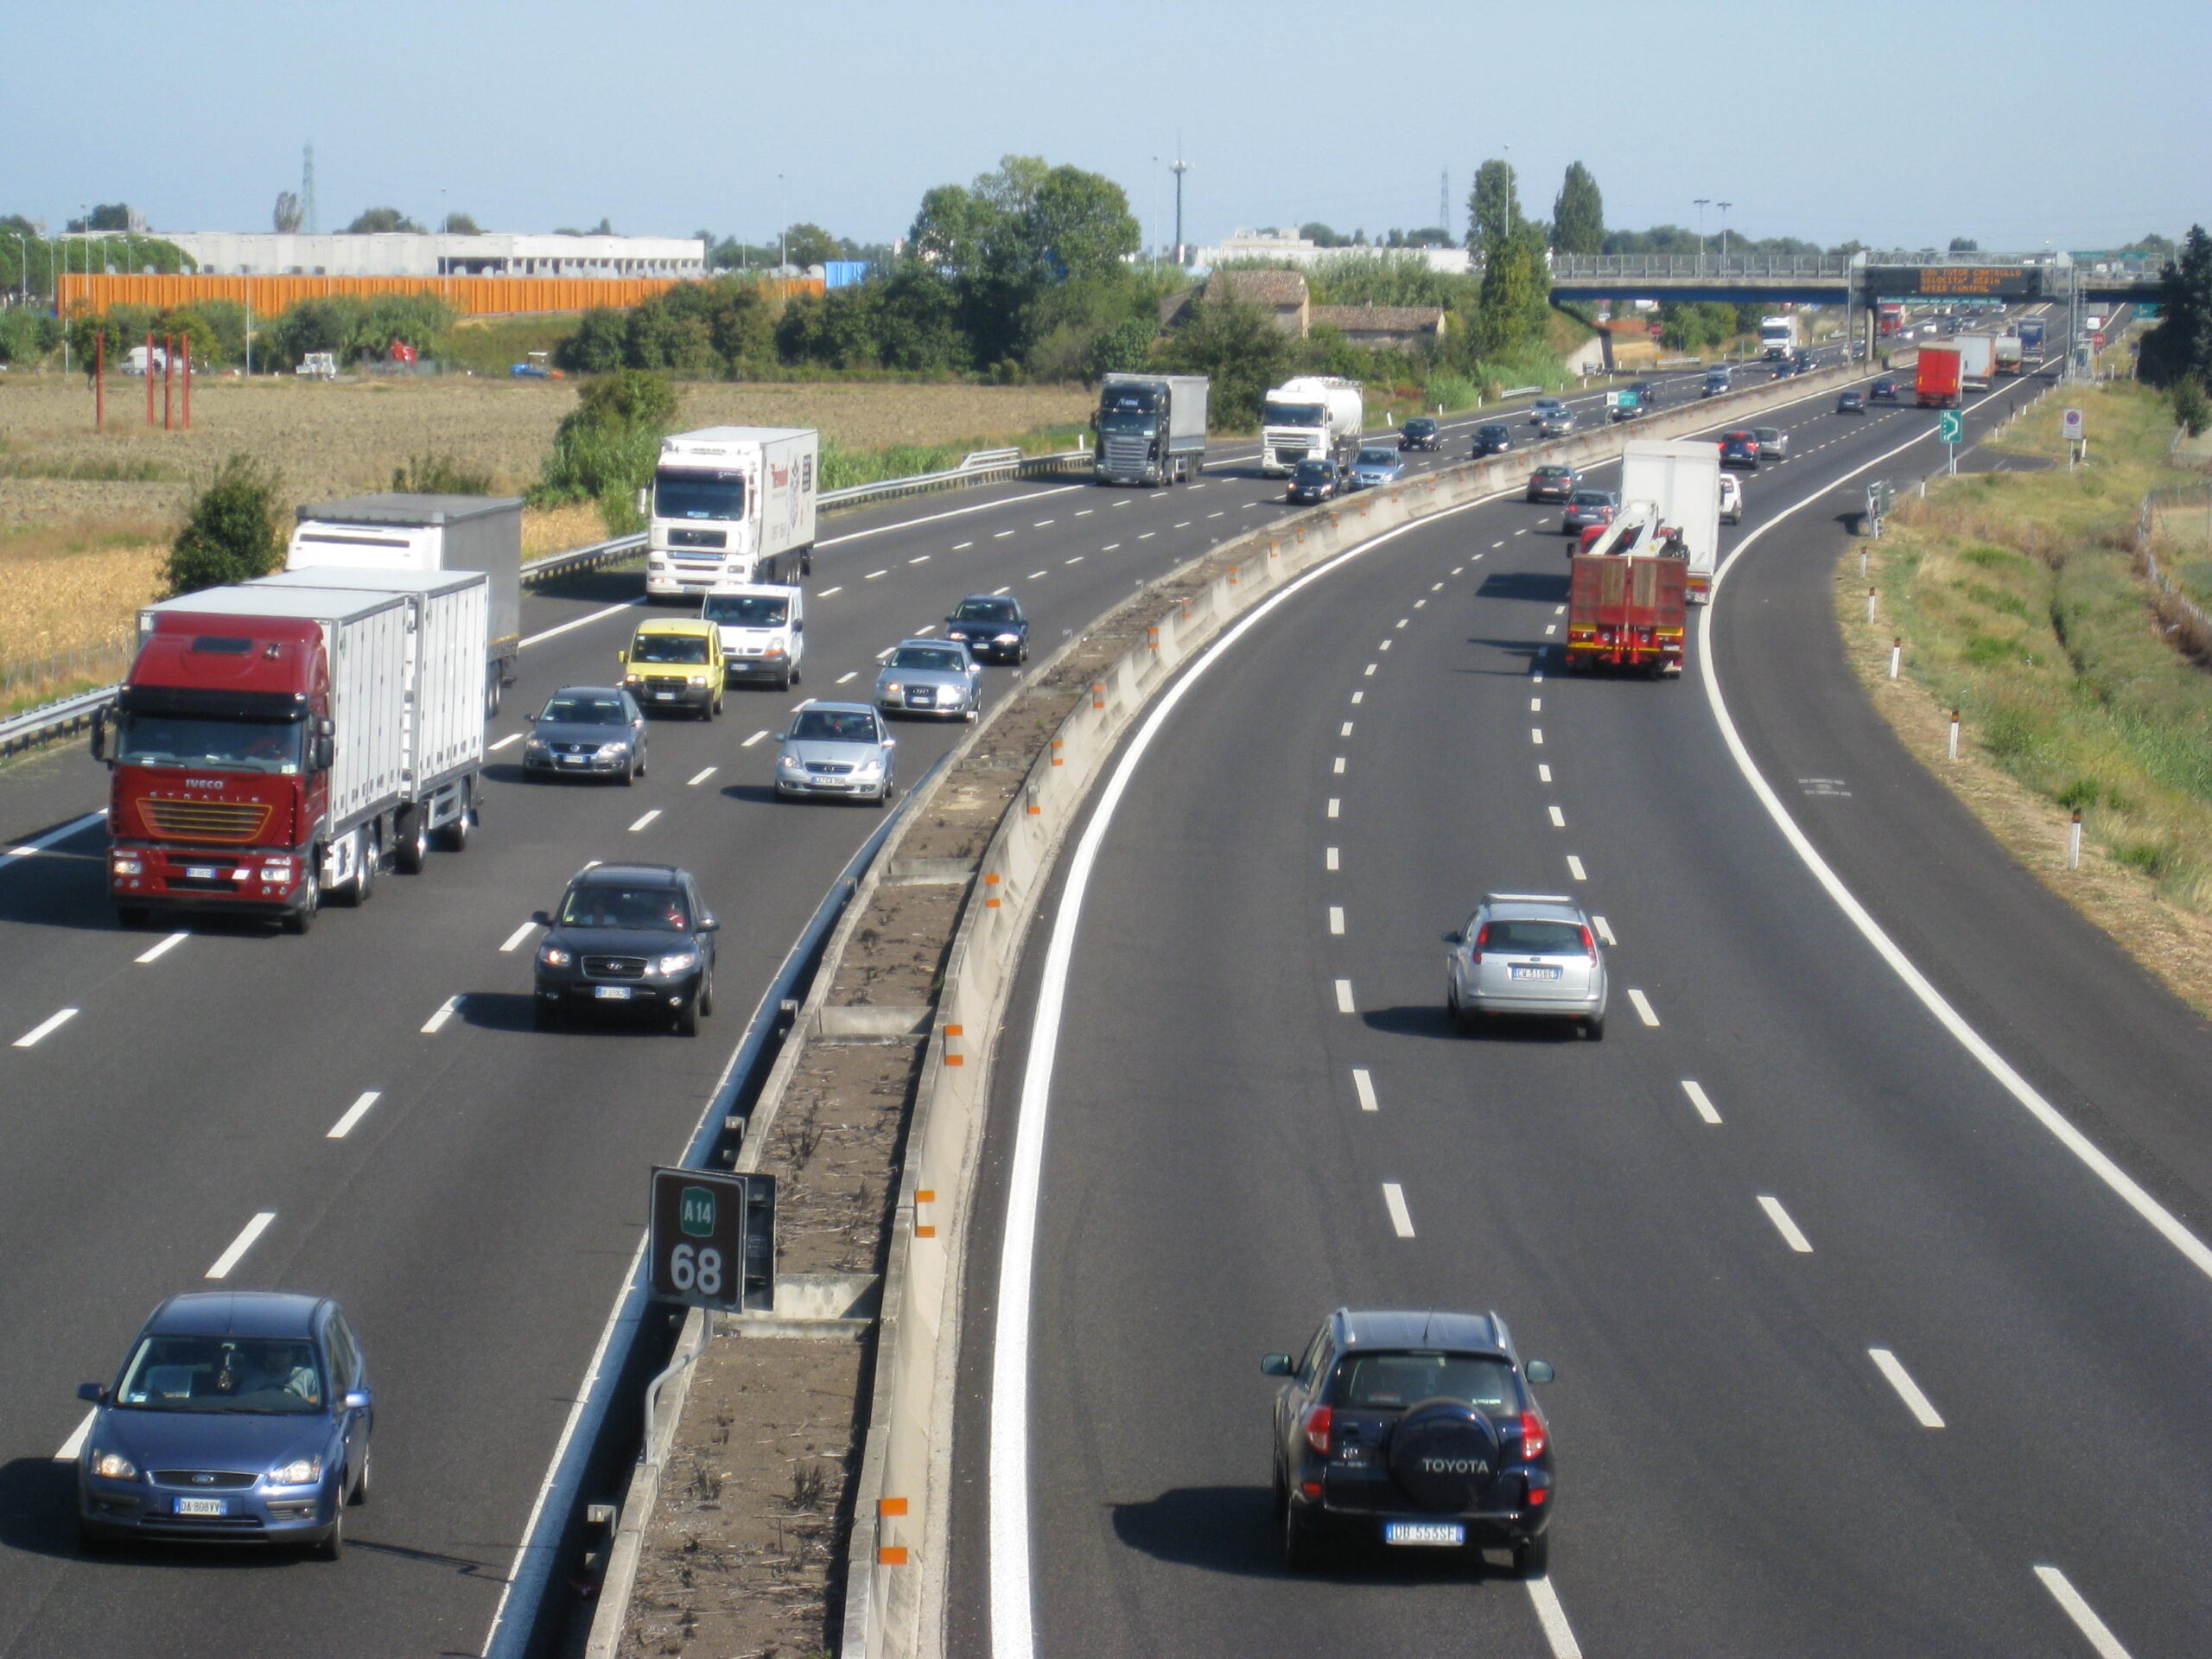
1411	1429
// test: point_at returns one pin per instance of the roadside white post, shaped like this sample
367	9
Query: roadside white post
1869	605
2073	841
1954	734
1896	655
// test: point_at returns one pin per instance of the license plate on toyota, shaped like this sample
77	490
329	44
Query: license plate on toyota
1434	1535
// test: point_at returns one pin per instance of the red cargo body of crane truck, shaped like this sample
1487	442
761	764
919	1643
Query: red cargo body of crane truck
286	739
1940	377
1627	611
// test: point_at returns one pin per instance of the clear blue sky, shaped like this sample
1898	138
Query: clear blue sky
1901	124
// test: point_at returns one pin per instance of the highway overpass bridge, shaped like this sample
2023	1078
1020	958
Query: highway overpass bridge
1853	280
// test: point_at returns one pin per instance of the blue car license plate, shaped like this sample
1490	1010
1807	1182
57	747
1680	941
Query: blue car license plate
202	1506
1445	1535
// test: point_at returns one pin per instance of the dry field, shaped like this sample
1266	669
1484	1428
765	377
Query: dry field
341	438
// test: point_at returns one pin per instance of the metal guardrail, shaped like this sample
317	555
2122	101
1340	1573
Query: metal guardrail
53	720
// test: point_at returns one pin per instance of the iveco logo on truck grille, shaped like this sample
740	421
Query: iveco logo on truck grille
203	783
1454	1467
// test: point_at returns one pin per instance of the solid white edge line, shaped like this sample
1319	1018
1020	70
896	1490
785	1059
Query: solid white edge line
230	1258
38	844
2168	1226
1363	1085
75	1442
1553	1617
45	1028
1642	1006
516	937
1394	1200
1703	1102
2084	1617
156	951
354	1113
1894	1373
583	622
1788	1229
1012	1611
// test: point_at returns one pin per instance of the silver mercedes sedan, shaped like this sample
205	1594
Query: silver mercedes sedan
837	748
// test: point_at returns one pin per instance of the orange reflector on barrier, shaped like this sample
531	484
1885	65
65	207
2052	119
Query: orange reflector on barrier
890	1506
892	1556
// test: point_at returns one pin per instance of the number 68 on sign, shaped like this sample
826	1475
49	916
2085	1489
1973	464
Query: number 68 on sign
713	1239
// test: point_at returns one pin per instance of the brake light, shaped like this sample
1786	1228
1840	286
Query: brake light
1590	944
1534	1439
1317	1423
1482	939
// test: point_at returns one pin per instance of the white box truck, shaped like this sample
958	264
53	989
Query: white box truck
1314	415
728	507
1152	429
1674	489
419	533
1977	359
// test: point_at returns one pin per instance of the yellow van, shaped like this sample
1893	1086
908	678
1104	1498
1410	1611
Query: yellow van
675	664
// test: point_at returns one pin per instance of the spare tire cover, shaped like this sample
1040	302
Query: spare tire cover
1444	1455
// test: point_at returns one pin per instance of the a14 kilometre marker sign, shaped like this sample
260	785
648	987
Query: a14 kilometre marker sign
713	1239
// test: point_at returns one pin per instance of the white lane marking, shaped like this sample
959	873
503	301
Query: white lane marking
1559	610
1535	705
31	849
508	742
2161	1219
1371	667
1699	1099
700	777
1042	523
1014	1634
1435	587
155	952
1086	513
1339	765
1336	918
1908	1390
1419	603
643	821
848	675
925	629
1538	678
1147	535
435	1023
1536	735
1543	773
1185	524
1494	545
1402	621
1394	1200
1076	560
2085	1619
1478	556
513	941
354	1113
1524	531
950	512
1559	819
1332	806
45	1028
962	547
1642	1006
1385	646
1344	1004
1553	1617
757	736
924	559
1358	697
1456	568
75	1442
584	621
1212	515
999	535
1001	593
1330	862
1574	868
1605	930
1345	730
1110	547
1551	628
1034	575
1782	1224
872	575
241	1244
1363	1086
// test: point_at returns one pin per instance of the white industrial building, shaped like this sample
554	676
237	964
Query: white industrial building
263	253
1289	248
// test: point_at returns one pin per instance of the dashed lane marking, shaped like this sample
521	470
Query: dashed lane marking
45	1028
700	777
1394	1200
435	1023
506	742
513	941
758	736
1335	919
1332	806
1643	1007
1363	1086
155	952
1344	1004
1700	1099
826	592
872	575
354	1113
1329	862
1782	1224
1543	773
1559	819
2084	1617
230	1258
1574	868
1897	1377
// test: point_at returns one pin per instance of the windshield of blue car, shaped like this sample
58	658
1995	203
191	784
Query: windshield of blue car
1393	1382
268	1376
747	610
699	495
1291	414
668	648
1378	458
652	910
827	726
202	741
584	711
934	657
986	610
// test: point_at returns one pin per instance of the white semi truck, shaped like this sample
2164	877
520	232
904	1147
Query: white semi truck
1673	488
1778	337
1313	417
1977	359
730	506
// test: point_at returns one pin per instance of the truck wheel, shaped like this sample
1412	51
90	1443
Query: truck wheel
492	689
300	920
410	842
454	836
364	878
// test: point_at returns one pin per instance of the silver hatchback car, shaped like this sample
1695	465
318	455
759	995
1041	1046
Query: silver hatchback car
931	676
837	748
1526	953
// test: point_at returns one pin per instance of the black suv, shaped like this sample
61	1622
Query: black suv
629	936
1415	1429
1494	438
1421	433
993	626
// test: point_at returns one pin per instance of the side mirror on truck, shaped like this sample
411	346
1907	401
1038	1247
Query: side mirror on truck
322	754
99	735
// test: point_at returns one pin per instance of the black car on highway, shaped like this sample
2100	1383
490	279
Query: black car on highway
1557	482
1739	449
993	626
1851	401
1421	433
587	731
1494	438
1313	481
1884	391
1411	1430
630	937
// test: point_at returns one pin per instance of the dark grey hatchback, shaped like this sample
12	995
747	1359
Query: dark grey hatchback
1413	1429
633	938
239	1417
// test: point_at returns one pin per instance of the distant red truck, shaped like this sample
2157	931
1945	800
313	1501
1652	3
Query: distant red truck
1627	611
1940	377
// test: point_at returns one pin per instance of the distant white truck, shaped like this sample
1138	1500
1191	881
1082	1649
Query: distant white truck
1778	337
1673	490
1977	359
730	506
1313	417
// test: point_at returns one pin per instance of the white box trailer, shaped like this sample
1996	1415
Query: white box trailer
405	532
1680	481
1977	358
730	506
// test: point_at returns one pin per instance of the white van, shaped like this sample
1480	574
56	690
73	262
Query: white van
763	629
1732	500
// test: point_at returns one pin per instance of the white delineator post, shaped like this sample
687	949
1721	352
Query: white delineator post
1869	605
1896	656
1954	734
2073	841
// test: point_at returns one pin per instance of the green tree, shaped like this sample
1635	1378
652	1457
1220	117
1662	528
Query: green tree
233	533
1238	347
607	446
1579	213
1322	236
598	344
108	216
1124	348
380	220
1493	209
459	225
1515	304
2181	344
810	244
1965	244
2192	408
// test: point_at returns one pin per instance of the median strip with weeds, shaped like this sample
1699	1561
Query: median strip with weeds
2022	604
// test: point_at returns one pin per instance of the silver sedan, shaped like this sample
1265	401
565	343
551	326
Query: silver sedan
837	748
1525	953
931	676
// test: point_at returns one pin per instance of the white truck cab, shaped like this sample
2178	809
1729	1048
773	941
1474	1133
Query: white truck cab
764	631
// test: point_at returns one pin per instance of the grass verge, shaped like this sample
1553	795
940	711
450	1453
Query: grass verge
2019	604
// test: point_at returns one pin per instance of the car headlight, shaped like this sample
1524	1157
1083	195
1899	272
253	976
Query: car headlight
890	689
867	768
695	679
552	956
610	751
300	1471
1008	640
535	745
679	962
790	762
113	1466
631	679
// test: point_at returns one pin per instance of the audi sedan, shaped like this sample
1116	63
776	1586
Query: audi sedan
632	938
587	731
837	748
1414	1430
931	676
1526	953
237	1417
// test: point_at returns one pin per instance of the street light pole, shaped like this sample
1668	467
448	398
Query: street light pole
1702	203
782	218
1724	207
